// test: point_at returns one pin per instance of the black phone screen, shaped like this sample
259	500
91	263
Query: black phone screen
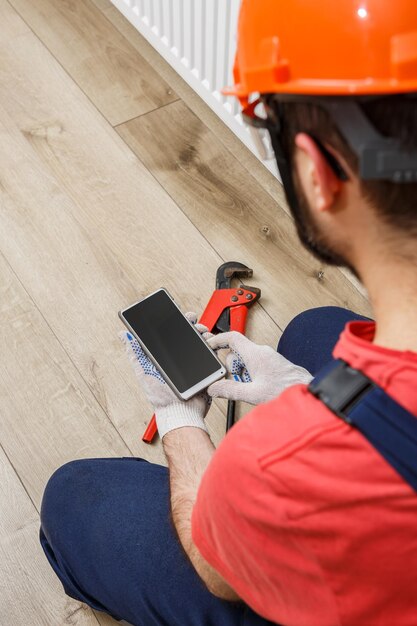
171	340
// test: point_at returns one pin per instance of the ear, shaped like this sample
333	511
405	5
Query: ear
320	183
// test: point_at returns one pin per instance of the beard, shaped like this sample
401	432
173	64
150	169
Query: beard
310	234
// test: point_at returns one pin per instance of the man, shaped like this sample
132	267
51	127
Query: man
296	518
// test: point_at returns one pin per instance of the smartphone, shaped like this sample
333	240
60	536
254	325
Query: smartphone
172	343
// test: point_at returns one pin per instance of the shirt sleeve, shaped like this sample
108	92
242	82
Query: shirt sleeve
241	521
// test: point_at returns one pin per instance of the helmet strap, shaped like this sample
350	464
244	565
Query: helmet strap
380	158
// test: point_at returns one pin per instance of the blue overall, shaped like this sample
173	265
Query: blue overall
106	528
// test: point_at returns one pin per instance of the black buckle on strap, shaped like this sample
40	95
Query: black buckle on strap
341	389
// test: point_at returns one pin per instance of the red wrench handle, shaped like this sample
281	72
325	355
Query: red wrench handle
151	430
238	315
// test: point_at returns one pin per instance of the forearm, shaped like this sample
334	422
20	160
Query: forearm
189	451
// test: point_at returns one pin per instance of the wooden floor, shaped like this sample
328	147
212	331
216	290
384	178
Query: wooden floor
115	179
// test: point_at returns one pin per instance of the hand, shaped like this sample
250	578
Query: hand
264	372
170	411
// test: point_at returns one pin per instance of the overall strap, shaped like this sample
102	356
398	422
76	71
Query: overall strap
356	399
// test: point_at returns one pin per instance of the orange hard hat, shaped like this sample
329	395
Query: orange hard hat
326	47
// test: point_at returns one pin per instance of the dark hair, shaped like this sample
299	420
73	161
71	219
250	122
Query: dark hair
393	116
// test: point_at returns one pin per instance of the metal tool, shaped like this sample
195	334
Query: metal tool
233	318
226	310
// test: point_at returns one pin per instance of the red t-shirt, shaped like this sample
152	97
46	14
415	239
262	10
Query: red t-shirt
304	518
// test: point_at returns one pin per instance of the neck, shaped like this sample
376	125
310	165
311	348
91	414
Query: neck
392	288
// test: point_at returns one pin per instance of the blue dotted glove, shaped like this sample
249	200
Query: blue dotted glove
266	372
236	366
139	355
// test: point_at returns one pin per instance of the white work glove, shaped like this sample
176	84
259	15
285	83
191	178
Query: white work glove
170	411
264	372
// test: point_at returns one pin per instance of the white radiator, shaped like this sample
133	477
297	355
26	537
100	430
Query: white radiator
197	38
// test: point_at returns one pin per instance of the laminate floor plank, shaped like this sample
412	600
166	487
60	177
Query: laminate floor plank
12	25
234	212
103	5
48	414
110	71
253	166
30	593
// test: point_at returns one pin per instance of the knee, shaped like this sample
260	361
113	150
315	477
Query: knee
306	324
60	495
81	492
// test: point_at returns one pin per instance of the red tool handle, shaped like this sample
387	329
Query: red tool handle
238	315
151	430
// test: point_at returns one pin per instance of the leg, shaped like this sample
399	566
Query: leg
310	337
106	532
